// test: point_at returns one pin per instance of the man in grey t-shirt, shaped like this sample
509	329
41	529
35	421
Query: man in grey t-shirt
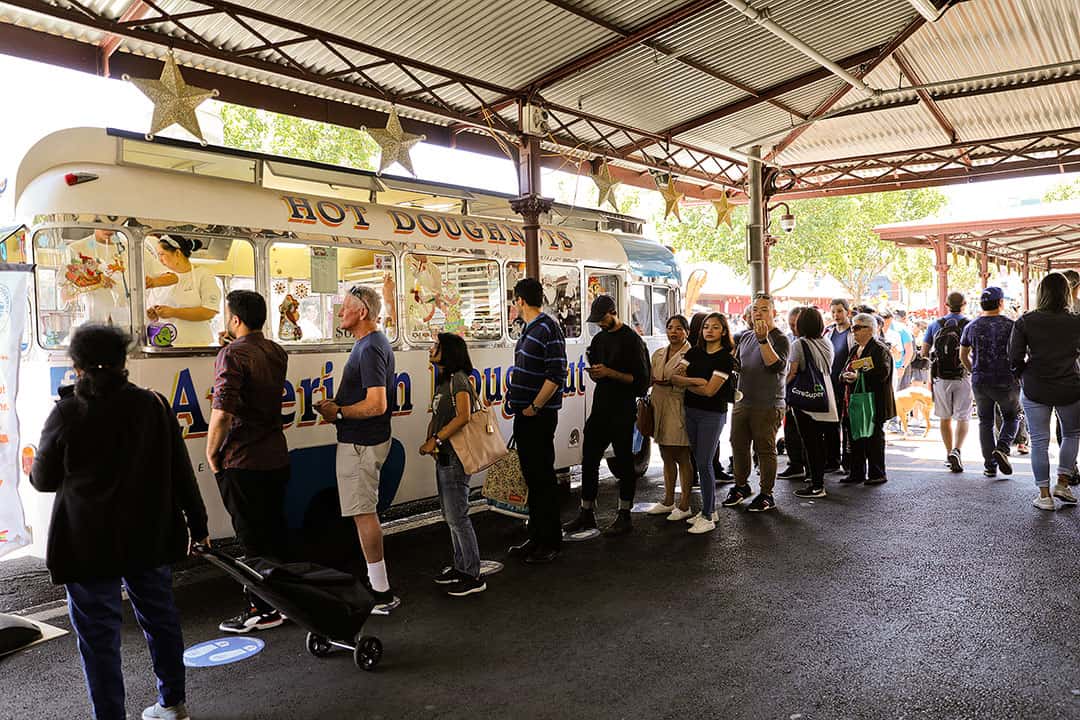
759	411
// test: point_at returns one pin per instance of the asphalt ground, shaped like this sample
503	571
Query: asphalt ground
933	596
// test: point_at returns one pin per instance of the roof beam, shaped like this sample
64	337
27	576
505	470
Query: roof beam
673	54
137	10
602	53
830	102
927	102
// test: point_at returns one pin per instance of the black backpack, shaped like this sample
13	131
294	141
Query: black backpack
947	365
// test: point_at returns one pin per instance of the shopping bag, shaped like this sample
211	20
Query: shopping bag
806	391
504	486
861	411
646	418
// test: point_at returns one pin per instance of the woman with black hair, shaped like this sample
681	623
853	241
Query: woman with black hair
451	408
126	508
811	347
1043	351
706	377
192	301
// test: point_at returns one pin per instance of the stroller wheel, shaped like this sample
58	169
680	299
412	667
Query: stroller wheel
368	652
318	646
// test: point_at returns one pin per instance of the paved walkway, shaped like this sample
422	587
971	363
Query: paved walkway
933	596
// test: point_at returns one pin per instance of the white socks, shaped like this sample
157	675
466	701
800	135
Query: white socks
376	573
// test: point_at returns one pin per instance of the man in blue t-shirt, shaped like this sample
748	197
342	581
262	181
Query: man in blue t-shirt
361	411
984	350
950	382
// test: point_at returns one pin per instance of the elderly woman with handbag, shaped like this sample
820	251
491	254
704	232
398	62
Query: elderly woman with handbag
451	410
669	421
870	401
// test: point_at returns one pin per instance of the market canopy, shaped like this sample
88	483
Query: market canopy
841	97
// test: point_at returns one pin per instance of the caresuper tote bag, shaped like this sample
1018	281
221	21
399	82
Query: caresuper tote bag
504	486
806	391
479	444
861	411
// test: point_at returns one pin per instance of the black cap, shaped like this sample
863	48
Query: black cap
601	306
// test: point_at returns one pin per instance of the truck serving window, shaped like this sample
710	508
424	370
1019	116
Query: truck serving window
562	297
308	285
82	275
186	279
641	308
457	295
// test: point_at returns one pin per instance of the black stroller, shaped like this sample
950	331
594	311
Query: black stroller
331	605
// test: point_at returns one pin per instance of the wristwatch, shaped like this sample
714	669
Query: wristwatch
340	415
764	342
438	441
535	409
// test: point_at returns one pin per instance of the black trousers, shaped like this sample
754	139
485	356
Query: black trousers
255	500
535	439
812	434
614	427
793	441
867	457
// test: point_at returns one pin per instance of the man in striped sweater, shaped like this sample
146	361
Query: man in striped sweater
535	397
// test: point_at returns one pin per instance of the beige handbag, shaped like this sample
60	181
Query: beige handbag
479	444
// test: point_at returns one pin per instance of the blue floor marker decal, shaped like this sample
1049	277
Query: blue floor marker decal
222	651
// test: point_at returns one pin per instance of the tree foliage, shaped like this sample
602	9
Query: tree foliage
833	236
262	131
1063	191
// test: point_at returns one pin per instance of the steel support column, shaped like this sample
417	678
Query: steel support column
941	264
1027	280
529	204
755	231
984	264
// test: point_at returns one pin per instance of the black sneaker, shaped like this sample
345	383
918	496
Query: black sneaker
990	472
849	479
953	461
466	585
252	620
1003	462
384	602
876	481
449	576
792	473
586	520
737	495
620	526
830	469
810	492
762	503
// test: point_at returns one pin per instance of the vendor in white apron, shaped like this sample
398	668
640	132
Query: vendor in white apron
193	301
102	255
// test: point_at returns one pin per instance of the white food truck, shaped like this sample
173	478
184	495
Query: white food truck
301	234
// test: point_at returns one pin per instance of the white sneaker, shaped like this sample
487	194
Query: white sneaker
660	509
156	712
680	514
701	526
693	519
1044	503
1063	493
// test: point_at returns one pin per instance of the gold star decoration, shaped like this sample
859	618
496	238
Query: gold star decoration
724	209
395	143
671	196
601	175
174	100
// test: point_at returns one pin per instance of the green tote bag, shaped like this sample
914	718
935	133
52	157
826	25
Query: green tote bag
861	411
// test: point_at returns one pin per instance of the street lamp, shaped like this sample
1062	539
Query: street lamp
787	220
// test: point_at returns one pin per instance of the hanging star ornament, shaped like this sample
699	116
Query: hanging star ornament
724	210
174	100
601	175
671	196
395	143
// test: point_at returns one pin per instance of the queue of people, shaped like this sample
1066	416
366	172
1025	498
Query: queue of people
833	384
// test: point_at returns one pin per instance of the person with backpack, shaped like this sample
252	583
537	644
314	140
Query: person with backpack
950	382
619	365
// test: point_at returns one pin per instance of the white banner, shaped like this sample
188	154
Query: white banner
13	284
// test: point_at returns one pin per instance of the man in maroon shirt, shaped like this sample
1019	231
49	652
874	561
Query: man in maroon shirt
246	447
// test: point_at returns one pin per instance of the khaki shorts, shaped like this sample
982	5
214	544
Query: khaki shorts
358	469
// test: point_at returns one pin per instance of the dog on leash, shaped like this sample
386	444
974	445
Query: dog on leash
909	400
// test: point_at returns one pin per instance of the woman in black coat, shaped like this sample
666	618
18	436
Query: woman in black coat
126	507
870	358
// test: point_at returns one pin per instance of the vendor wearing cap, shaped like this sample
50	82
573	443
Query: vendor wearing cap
192	301
984	351
619	365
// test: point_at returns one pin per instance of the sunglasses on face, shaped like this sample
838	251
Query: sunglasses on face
862	327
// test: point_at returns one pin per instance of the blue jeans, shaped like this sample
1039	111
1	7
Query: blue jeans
1038	418
703	428
96	615
1007	399
454	500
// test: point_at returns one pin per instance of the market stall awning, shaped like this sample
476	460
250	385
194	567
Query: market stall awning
841	97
